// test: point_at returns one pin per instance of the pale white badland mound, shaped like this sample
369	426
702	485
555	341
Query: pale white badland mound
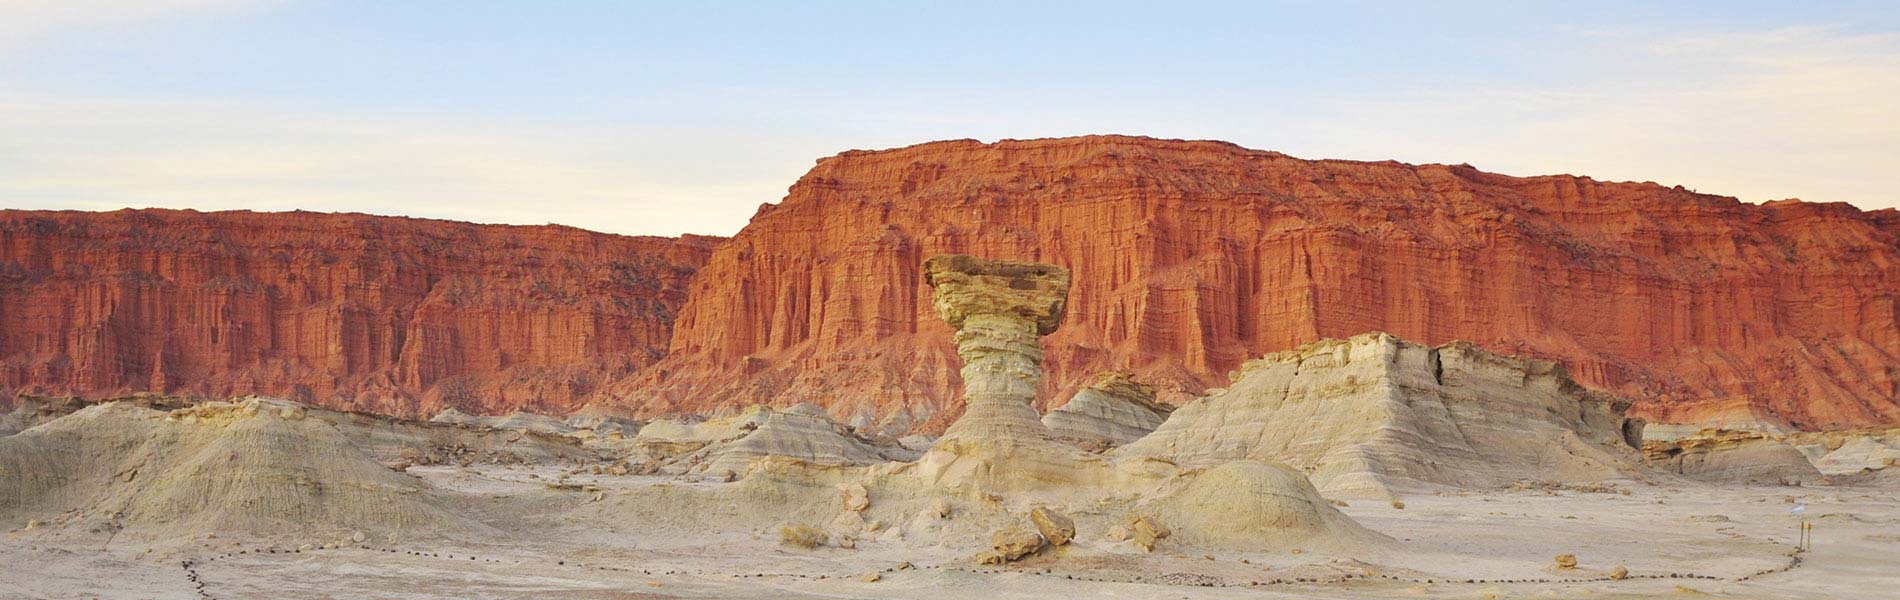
1367	414
1111	411
1732	457
1857	455
1253	505
515	421
605	422
33	411
1849	451
668	440
399	442
803	432
1726	414
456	417
527	421
259	465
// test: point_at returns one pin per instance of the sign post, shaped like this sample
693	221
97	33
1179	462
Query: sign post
1804	539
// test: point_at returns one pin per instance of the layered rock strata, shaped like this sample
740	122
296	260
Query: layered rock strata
1000	310
396	316
1366	415
1733	457
1111	411
1193	256
255	465
803	432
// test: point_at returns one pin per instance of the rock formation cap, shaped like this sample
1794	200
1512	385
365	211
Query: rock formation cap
966	285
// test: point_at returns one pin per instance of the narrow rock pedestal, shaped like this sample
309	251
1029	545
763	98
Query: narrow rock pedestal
1000	309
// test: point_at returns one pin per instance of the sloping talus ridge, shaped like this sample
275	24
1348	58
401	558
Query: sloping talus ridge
392	315
1189	257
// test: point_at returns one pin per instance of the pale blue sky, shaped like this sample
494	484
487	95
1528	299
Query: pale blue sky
683	117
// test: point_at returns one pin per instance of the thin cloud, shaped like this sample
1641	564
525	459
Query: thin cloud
1798	112
108	154
24	21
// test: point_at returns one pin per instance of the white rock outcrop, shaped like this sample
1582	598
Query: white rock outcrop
802	432
1733	457
1111	411
1365	415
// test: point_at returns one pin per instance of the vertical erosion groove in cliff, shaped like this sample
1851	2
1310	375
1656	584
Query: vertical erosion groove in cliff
392	315
1191	257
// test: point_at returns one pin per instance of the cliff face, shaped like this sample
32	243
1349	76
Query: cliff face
391	315
1187	258
1190	257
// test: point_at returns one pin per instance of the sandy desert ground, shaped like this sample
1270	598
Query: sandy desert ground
1680	541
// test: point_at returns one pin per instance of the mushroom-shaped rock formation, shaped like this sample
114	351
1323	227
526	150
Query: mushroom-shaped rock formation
1000	310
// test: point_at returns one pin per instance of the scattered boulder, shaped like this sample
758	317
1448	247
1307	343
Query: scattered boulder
1146	531
854	497
1014	543
1566	561
849	522
1619	573
1054	526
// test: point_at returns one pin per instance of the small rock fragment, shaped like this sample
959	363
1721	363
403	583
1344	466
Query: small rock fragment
1566	561
1013	543
854	497
1147	531
1619	573
1054	526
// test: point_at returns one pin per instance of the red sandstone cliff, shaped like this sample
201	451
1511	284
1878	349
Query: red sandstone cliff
1190	257
393	315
